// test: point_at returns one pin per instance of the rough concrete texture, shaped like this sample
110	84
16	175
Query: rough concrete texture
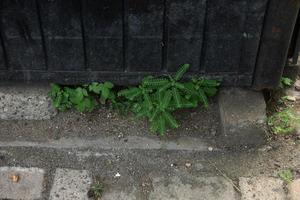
294	190
70	184
262	188
21	183
120	195
243	117
208	188
25	102
108	143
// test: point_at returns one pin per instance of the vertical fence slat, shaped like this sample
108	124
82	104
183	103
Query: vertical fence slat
2	56
251	36
63	34
225	24
39	14
277	33
186	24
104	34
21	35
3	60
2	49
145	34
165	37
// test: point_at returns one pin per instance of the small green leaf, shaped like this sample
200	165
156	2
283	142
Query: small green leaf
105	93
108	85
286	82
76	96
286	175
95	87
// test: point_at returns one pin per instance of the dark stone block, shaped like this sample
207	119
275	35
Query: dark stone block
225	39
224	34
21	35
105	54
25	55
61	18
103	25
145	18
65	54
186	18
145	34
182	51
222	54
103	18
63	34
20	19
225	17
186	26
2	59
145	54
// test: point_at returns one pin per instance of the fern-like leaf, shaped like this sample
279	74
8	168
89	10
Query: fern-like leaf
148	100
154	125
209	83
203	98
155	83
154	115
166	99
210	91
181	71
176	97
161	125
170	120
130	94
165	87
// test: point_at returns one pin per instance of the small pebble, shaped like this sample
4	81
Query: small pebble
297	85
188	164
291	98
210	149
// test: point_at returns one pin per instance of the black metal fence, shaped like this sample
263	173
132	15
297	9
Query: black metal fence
241	42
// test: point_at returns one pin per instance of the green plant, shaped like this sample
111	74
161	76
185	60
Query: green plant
84	98
96	191
283	122
285	82
156	98
286	175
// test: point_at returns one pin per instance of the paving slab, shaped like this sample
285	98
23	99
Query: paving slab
21	183
208	188
262	188
25	102
294	190
70	185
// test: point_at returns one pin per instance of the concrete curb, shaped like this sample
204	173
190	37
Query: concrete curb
242	112
25	102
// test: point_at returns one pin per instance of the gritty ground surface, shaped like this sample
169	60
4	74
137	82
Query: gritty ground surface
138	167
106	122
